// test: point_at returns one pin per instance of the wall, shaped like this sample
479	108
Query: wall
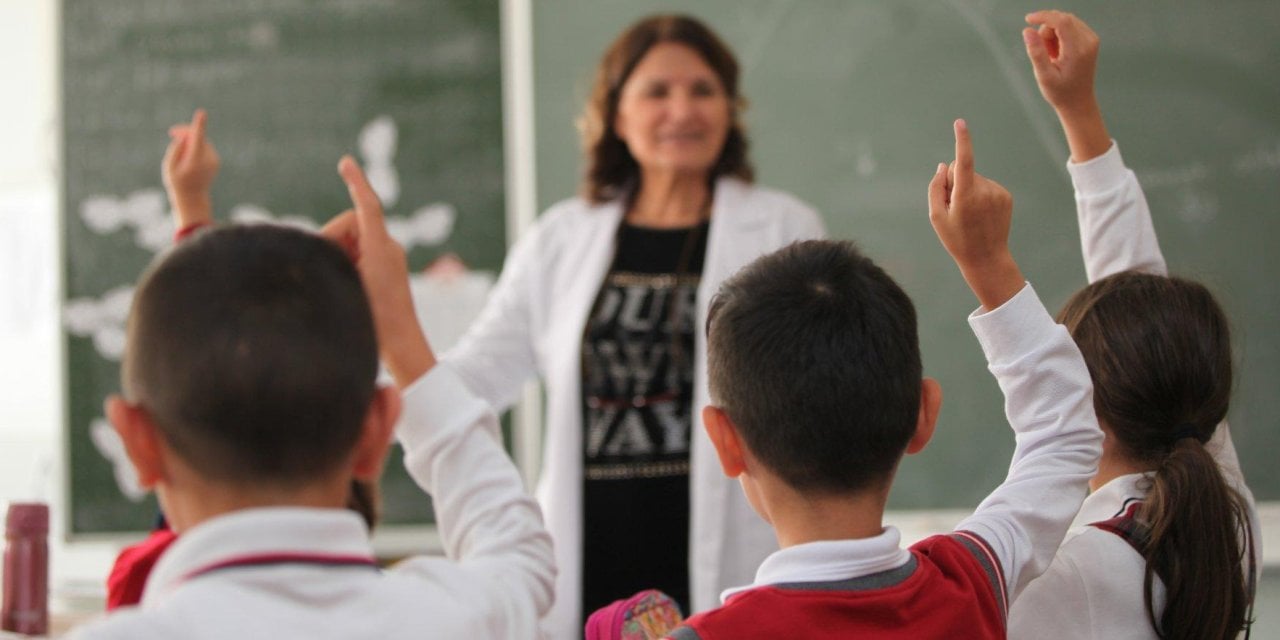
30	376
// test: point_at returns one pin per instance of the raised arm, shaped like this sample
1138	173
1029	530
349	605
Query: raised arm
500	565
1048	395
189	167
1116	233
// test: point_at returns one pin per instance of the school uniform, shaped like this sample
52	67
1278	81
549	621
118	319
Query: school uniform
1094	587
534	325
959	584
292	572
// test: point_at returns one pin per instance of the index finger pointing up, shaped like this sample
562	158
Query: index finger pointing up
368	208
199	120
964	157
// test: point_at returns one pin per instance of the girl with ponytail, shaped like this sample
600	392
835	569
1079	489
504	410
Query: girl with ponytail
1166	545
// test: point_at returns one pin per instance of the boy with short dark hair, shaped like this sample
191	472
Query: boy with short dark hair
816	372
250	406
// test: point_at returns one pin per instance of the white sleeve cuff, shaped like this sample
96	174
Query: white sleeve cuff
1015	328
436	403
1099	175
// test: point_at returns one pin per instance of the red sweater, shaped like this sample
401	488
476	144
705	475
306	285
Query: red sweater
952	588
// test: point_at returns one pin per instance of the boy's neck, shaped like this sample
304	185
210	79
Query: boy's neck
190	504
798	518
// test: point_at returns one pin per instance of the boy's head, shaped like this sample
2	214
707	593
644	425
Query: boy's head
251	351
813	358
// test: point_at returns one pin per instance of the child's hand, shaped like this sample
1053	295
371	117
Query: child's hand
1064	55
971	216
189	167
362	233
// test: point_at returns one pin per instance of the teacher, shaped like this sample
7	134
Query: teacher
605	299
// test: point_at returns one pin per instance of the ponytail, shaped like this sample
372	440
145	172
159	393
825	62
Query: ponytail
1196	525
1159	353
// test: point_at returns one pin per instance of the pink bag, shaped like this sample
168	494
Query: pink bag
647	615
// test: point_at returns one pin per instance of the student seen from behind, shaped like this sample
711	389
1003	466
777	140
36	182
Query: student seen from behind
250	406
816	377
1166	546
189	167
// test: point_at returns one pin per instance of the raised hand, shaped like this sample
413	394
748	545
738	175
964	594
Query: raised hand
971	216
1064	56
189	168
362	233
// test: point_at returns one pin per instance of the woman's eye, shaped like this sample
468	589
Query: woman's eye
705	90
656	91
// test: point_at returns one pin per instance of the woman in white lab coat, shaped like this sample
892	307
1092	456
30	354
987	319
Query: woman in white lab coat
605	299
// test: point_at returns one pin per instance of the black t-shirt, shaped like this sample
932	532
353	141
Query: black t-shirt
637	390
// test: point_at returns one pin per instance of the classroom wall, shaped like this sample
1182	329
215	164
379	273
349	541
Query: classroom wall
28	311
30	375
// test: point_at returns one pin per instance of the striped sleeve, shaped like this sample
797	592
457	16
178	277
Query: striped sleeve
986	557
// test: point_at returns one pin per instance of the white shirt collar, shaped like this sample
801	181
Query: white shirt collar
257	531
1111	499
829	560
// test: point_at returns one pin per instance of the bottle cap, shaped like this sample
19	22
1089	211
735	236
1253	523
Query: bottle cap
27	518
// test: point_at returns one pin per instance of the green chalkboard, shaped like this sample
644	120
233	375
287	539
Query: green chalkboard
412	87
851	103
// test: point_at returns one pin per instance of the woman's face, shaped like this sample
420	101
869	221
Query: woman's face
673	112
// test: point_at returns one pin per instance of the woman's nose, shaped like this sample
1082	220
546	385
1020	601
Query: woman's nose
681	105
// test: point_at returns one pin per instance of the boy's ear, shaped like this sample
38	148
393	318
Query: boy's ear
724	437
930	404
376	433
141	437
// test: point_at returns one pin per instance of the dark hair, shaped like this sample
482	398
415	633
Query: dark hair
610	166
813	354
253	350
1159	352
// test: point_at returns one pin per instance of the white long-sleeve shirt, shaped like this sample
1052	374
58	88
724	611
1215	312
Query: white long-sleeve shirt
305	573
1094	587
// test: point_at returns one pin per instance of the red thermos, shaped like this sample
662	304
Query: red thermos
26	569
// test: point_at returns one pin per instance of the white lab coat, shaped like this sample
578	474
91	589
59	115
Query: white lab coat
533	325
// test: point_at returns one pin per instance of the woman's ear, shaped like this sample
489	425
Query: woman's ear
930	404
142	440
377	431
724	437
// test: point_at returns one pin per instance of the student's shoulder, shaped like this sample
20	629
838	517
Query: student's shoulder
1099	556
130	623
730	620
967	556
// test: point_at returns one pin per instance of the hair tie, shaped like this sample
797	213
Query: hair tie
1185	430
